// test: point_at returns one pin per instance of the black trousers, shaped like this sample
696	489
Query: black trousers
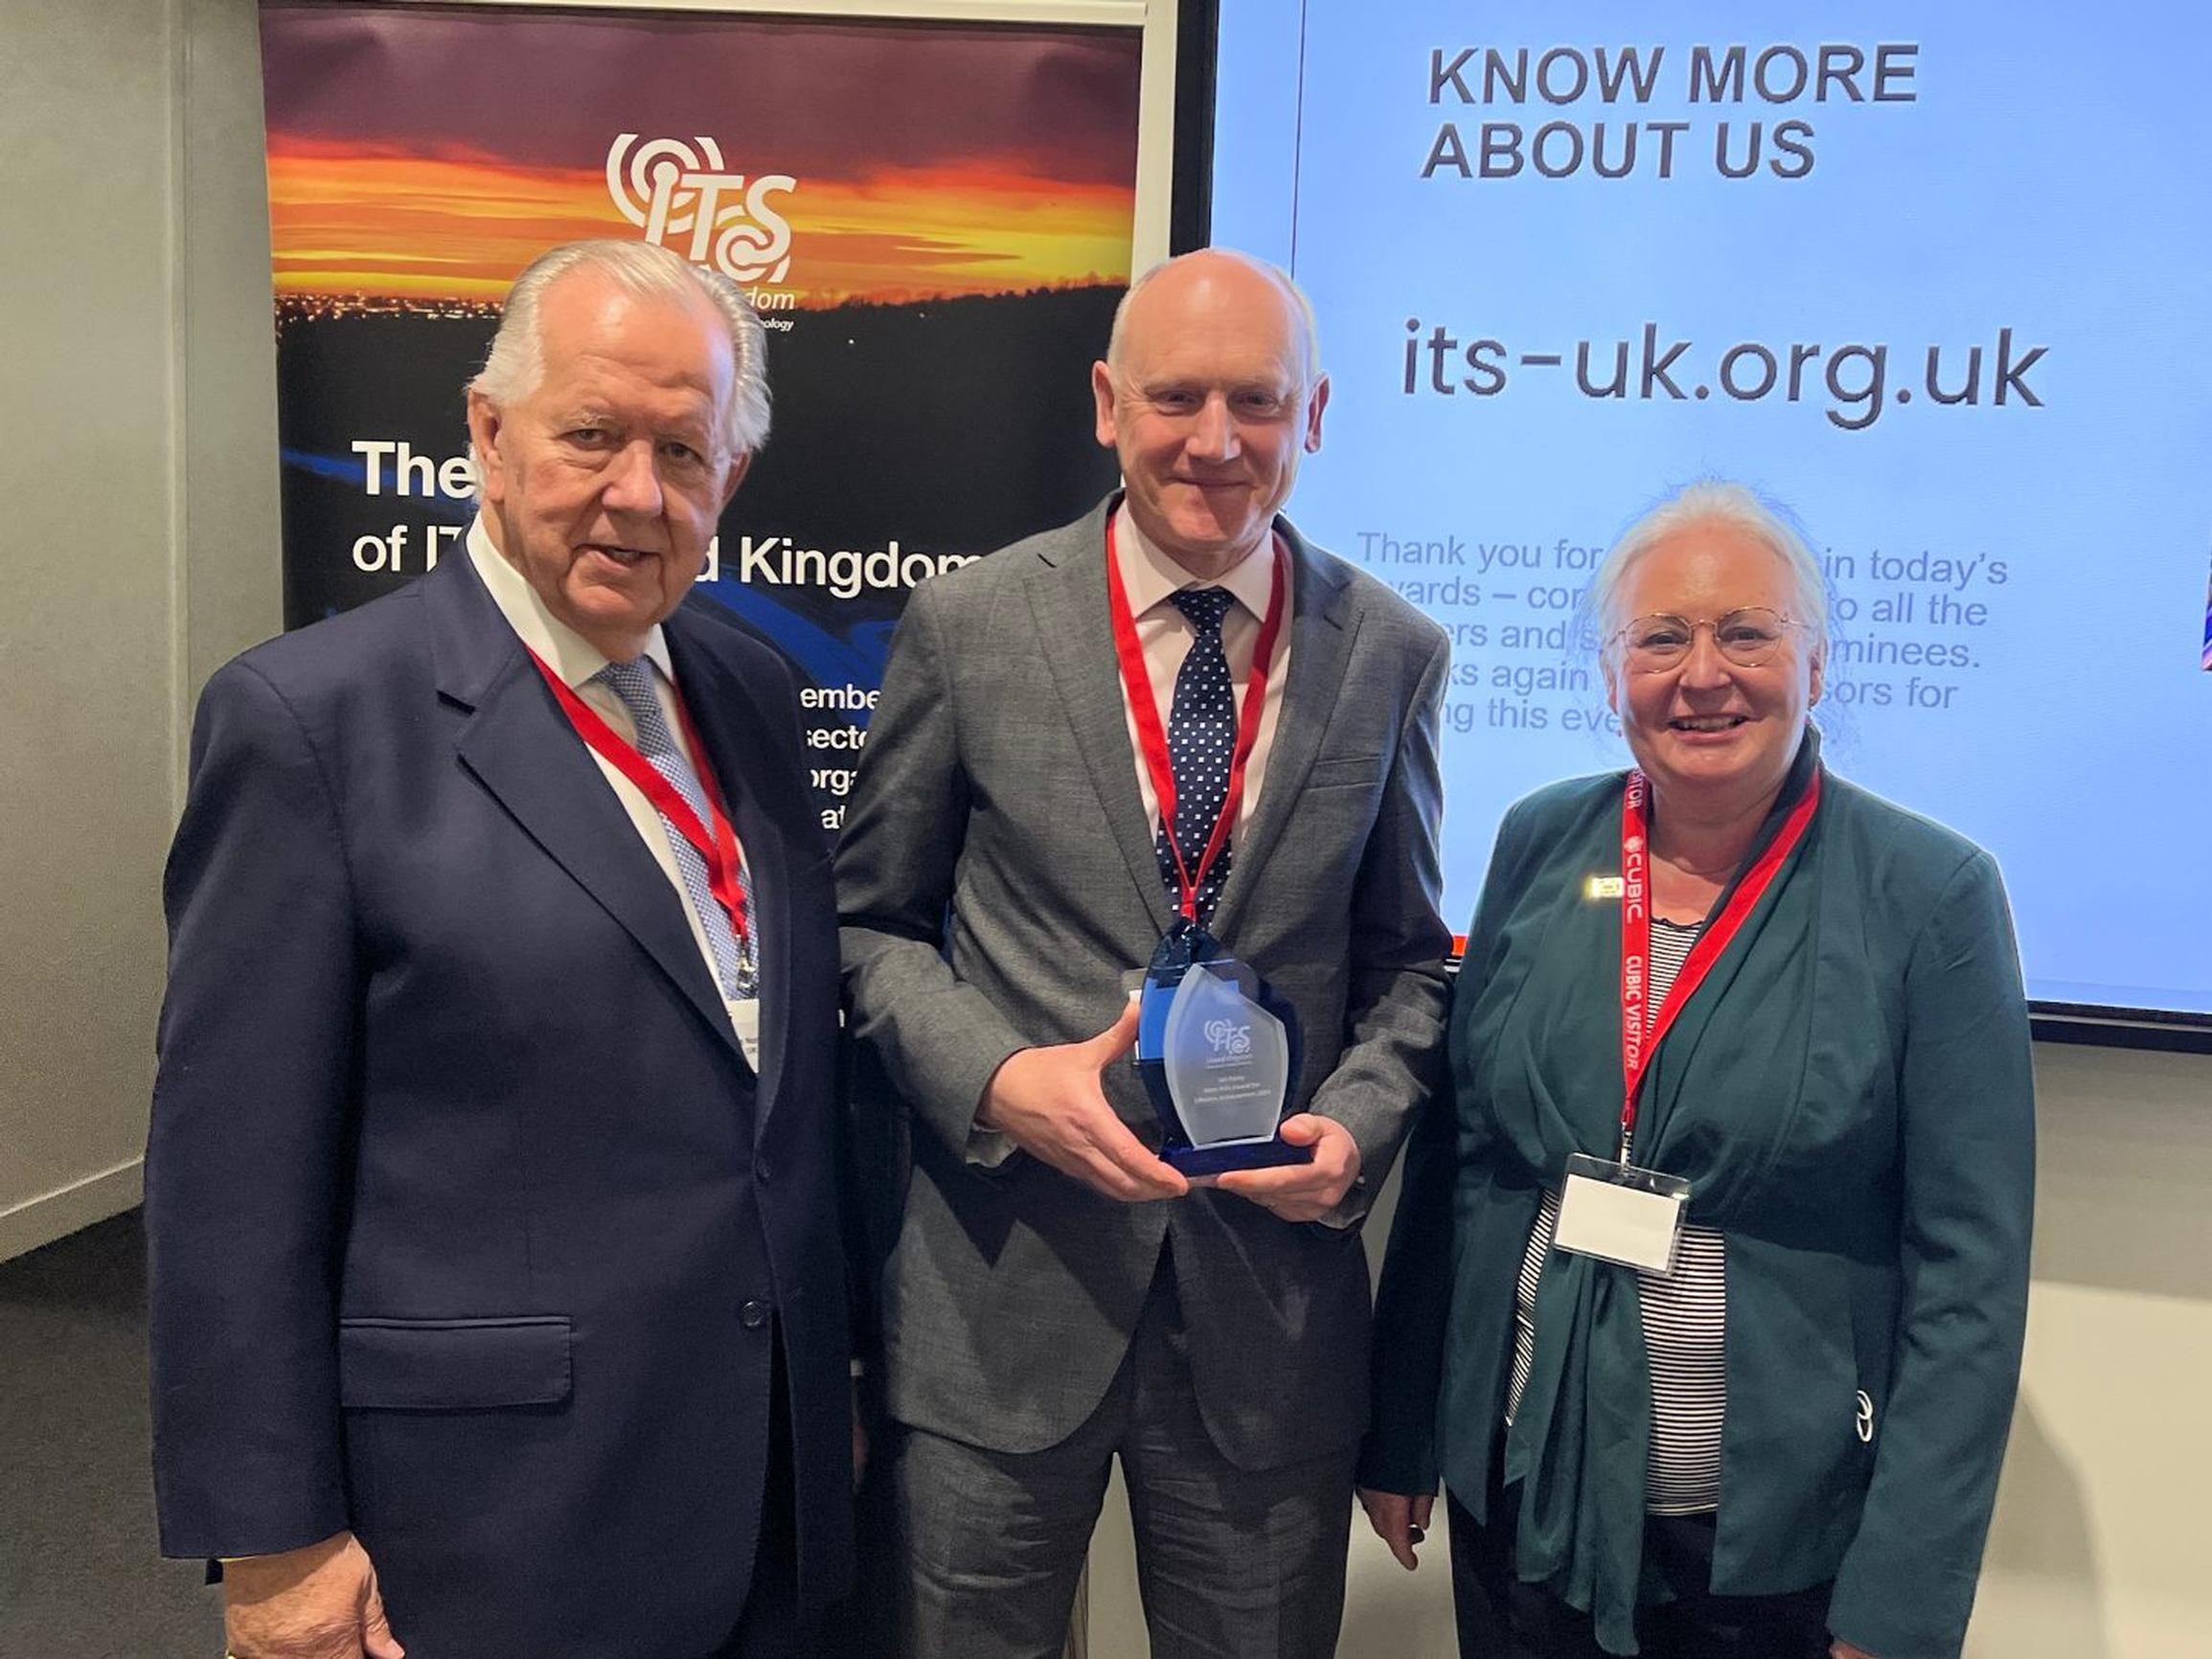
1501	1618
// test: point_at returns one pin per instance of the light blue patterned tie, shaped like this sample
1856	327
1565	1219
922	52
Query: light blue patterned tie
633	683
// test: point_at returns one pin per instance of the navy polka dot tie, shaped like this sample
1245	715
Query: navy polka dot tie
1201	740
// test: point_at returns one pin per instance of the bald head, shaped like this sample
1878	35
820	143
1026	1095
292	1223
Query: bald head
1209	393
1225	265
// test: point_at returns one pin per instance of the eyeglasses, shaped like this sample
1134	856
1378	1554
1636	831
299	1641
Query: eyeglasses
1748	638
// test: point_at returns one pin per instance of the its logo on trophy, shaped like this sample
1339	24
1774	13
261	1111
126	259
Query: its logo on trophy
1217	1051
1229	1039
668	186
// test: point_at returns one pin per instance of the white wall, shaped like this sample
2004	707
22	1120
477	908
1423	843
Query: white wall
2096	1549
141	547
2096	1553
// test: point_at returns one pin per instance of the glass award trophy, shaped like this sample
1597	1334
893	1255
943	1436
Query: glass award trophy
1219	1054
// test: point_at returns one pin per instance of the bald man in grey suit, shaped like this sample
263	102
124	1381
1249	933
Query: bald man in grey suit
1059	1295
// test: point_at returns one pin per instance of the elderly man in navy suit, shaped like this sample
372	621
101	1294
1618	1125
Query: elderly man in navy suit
498	1292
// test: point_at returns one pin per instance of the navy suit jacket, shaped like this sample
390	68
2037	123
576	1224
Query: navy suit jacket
470	1228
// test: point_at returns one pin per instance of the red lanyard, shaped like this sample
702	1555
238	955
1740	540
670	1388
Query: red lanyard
1640	1041
718	847
1153	738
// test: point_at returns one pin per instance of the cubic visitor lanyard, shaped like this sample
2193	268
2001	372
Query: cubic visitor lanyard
1639	1034
717	846
1153	738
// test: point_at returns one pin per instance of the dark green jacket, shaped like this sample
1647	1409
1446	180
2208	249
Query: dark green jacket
1849	1094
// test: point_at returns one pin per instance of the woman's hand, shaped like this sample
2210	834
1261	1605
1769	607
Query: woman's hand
1840	1648
1398	1521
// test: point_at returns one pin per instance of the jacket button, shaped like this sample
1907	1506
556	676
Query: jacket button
753	1315
762	1172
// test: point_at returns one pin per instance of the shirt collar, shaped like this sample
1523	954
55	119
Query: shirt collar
1150	576
567	653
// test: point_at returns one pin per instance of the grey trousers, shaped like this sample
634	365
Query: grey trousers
1232	1564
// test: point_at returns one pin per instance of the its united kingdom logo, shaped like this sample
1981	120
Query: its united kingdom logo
683	196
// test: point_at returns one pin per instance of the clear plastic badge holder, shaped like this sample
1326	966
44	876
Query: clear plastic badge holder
1618	1213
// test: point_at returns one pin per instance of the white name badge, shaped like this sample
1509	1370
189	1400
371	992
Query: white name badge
745	1021
1618	1213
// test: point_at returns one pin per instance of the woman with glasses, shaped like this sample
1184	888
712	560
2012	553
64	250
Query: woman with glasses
1707	1284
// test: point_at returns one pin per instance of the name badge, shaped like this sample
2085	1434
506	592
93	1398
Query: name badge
1619	1213
745	1021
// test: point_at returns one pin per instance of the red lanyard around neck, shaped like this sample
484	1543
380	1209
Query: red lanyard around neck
715	844
1640	1034
1153	738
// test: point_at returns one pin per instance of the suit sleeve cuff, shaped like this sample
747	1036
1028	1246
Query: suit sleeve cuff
988	1149
1351	1209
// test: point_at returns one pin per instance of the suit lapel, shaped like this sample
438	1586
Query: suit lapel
1321	633
519	745
728	722
1067	598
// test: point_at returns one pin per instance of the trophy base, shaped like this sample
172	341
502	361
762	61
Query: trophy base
1244	1155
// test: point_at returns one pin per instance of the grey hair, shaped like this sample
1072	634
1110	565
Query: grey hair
1310	327
517	361
1721	501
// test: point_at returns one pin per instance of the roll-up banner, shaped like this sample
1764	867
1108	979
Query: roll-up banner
933	219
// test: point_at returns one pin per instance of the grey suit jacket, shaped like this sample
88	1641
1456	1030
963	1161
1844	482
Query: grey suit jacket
996	881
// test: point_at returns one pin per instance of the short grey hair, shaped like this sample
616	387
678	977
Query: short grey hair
1722	501
1310	327
517	361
